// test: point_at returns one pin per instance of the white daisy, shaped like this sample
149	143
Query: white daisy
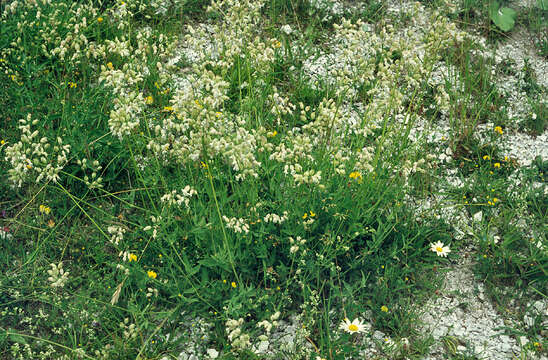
355	326
440	249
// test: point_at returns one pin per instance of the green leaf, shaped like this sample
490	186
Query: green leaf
504	18
542	4
13	336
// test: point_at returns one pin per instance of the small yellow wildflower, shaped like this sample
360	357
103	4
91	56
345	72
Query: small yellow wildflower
110	66
277	44
305	216
272	134
498	129
204	165
168	108
497	165
13	77
218	114
149	100
495	200
233	284
312	213
51	223
152	274
224	281
197	102
505	158
355	175
72	84
486	157
44	209
2	142
99	19
133	257
384	308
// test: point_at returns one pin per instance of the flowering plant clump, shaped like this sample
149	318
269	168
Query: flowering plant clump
219	176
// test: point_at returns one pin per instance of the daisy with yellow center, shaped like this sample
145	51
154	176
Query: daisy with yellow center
353	327
440	249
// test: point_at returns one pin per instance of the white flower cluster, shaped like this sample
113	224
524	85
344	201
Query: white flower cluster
117	233
237	225
181	198
295	244
130	330
34	155
275	218
57	276
237	338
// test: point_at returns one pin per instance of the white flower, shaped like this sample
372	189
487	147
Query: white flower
355	326
286	29
440	249
212	353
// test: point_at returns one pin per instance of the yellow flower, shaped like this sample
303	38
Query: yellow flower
384	308
168	108
272	134
495	200
151	274
99	19
44	209
233	284
305	215
224	281
312	213
133	257
356	175
277	44
498	129
51	223
149	100
486	157
72	84
110	66
497	165
2	142
204	165
198	104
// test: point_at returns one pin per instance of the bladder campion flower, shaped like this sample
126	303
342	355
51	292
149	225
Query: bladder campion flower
440	249
498	129
152	274
384	308
355	326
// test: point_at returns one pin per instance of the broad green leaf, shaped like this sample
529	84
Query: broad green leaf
504	18
543	4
